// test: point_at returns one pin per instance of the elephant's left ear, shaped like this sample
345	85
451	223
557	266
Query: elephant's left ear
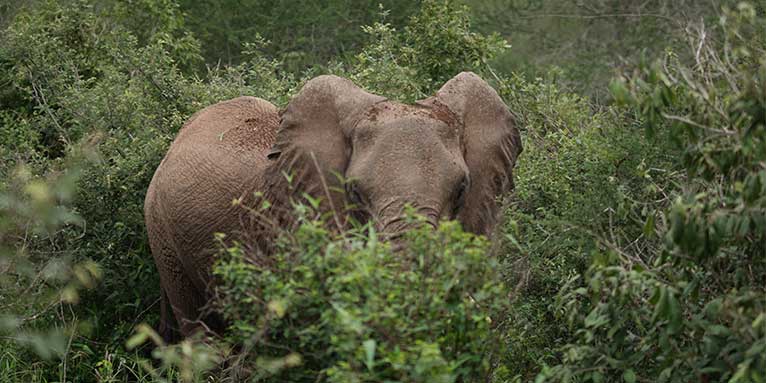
492	144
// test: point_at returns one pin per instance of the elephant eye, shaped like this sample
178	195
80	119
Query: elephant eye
354	196
460	191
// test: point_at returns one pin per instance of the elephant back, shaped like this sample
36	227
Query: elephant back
246	125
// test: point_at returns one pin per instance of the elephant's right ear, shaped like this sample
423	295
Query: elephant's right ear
312	144
492	144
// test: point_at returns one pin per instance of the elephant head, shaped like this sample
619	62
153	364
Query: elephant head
449	156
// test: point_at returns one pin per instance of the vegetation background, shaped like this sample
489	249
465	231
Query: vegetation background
633	248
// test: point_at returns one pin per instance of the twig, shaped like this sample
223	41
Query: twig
698	125
601	16
133	325
326	191
42	102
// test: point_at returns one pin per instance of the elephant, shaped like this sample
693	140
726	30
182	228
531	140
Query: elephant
449	156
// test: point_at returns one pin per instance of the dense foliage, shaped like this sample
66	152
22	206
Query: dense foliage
633	245
695	305
303	34
351	309
590	41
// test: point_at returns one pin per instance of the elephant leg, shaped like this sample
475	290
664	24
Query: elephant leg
188	301
168	328
181	299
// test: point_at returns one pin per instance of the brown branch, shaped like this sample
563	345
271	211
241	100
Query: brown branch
601	16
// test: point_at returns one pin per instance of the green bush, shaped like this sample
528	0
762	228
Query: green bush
589	41
578	190
36	283
347	308
436	44
303	35
80	73
629	254
691	307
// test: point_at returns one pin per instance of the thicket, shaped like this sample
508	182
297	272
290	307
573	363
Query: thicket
89	108
589	41
633	245
302	34
347	308
687	300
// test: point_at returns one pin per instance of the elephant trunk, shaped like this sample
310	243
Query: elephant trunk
395	227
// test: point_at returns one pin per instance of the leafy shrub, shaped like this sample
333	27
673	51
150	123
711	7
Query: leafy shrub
578	191
589	41
440	43
302	35
91	73
693	306
78	75
347	308
660	259
436	44
35	285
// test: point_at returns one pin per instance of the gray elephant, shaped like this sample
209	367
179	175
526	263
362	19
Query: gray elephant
449	156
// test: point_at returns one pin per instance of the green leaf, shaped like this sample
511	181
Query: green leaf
620	92
674	313
629	376
597	377
649	225
759	320
661	307
136	340
369	352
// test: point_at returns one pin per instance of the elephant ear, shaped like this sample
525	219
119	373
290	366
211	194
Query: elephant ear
491	141
312	146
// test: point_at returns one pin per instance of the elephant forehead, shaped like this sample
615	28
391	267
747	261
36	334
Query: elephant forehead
392	110
392	116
